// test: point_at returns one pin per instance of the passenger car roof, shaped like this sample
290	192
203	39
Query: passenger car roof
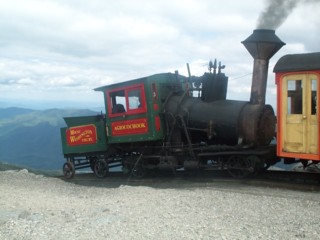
298	62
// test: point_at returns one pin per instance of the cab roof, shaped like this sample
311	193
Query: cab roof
157	77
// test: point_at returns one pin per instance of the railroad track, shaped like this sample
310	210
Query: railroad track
291	179
273	179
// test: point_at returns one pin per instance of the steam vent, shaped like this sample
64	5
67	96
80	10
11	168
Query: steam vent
262	44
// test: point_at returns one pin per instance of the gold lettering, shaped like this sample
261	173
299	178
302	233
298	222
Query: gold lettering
72	139
77	135
130	126
74	132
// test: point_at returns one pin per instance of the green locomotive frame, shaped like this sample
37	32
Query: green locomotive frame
134	116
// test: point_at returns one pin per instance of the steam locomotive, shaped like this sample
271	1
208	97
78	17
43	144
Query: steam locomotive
169	122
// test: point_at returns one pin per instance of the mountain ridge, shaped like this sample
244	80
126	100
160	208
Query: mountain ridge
31	138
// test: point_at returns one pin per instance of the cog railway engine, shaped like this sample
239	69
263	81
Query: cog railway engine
169	121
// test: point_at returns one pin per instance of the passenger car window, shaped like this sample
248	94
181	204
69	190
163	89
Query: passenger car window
294	97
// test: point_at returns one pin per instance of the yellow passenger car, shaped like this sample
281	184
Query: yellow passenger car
298	80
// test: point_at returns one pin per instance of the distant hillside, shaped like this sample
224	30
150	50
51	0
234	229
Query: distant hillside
12	112
31	138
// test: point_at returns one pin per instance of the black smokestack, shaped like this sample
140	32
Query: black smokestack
262	44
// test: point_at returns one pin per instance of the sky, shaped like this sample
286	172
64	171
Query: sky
53	53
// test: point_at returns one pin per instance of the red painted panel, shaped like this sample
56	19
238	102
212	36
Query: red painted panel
127	127
81	135
155	107
158	123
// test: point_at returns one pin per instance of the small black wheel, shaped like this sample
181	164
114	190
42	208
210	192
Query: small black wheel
101	168
239	166
138	171
256	164
92	161
68	170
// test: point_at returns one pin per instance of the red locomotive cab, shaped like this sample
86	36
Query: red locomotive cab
129	104
298	80
133	109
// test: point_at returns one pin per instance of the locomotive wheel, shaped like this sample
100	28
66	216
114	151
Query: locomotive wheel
100	168
256	164
68	170
239	166
92	163
138	171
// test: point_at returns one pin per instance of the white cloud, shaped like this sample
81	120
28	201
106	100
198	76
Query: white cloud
60	48
25	81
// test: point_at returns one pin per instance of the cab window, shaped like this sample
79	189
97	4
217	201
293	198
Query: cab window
118	102
128	100
135	99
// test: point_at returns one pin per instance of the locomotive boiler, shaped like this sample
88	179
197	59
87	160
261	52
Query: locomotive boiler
234	122
169	121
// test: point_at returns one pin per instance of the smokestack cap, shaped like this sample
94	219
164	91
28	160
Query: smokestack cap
263	43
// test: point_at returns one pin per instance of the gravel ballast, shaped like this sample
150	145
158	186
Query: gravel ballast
38	207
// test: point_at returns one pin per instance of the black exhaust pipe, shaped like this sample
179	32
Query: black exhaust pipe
262	44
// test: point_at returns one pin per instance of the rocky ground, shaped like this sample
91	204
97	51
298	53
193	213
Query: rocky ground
38	207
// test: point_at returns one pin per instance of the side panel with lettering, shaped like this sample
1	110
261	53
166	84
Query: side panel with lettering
127	127
81	135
